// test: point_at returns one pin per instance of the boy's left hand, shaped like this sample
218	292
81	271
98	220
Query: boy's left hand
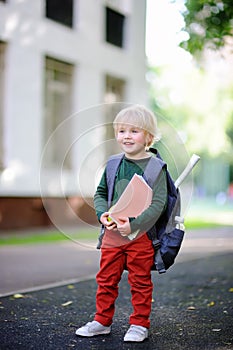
124	226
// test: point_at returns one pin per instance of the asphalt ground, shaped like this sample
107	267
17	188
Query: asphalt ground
192	306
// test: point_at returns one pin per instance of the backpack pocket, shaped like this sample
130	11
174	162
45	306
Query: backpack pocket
170	246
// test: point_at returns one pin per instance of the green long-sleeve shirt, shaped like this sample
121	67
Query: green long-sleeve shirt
127	169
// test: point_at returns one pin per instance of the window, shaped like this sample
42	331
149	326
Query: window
114	89
2	80
58	102
114	27
60	11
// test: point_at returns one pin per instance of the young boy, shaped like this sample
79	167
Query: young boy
135	130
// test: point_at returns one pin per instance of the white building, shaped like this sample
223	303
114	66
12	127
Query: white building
60	61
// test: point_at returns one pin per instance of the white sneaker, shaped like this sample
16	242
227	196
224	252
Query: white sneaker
136	333
92	328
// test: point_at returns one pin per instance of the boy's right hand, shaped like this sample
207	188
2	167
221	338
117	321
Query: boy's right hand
110	225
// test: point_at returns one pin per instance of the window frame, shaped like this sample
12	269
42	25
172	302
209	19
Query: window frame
53	115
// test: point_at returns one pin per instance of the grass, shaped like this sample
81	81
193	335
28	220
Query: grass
208	213
193	223
53	236
50	236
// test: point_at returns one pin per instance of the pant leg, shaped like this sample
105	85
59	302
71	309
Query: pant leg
111	268
140	256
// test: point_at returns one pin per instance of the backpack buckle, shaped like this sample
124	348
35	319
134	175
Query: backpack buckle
156	244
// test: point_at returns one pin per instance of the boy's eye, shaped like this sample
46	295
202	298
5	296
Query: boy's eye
135	131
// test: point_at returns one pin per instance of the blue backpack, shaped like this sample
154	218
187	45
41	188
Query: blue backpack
166	237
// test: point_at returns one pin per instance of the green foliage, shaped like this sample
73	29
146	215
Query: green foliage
198	104
229	129
208	23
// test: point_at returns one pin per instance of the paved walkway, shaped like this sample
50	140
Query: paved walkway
32	267
192	306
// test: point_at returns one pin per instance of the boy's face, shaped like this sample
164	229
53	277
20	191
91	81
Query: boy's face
132	140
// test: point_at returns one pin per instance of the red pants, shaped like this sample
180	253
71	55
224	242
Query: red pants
138	256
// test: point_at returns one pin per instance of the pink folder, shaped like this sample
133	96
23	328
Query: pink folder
136	198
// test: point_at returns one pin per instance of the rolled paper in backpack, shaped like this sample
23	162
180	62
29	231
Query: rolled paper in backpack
179	220
192	162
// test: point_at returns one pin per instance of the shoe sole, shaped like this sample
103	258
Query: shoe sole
92	334
135	341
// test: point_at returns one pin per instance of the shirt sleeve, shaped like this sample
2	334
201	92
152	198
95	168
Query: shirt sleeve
159	200
101	197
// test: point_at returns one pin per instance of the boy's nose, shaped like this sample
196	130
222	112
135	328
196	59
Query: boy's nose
127	134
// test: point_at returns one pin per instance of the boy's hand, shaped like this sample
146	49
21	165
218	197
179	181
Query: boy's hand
110	225
124	227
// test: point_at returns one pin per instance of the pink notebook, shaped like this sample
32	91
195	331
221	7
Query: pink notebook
136	197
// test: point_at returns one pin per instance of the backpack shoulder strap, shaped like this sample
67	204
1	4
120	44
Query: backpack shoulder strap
153	170
112	166
151	173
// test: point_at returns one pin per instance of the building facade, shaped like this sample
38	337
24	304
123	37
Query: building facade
66	67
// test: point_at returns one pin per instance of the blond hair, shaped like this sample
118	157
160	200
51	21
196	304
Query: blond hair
140	117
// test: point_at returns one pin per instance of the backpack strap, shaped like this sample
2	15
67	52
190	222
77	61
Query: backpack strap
112	166
153	170
151	173
158	260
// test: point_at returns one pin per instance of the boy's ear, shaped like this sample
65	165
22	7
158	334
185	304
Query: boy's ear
149	139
